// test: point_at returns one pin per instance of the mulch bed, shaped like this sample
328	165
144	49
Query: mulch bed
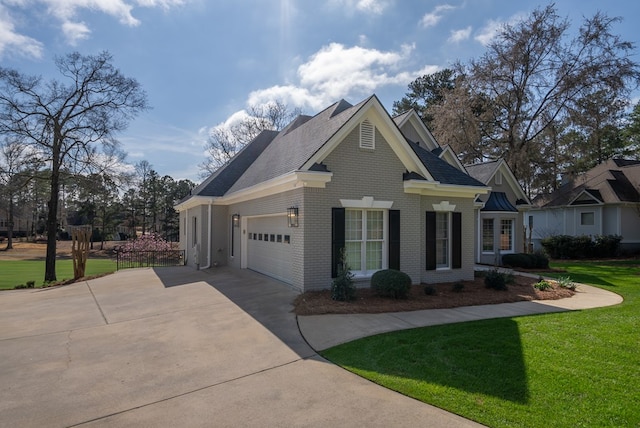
474	293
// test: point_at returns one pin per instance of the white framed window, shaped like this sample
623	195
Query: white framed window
506	234
587	219
367	135
443	231
365	240
487	235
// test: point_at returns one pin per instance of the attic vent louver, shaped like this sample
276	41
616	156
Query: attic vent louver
367	135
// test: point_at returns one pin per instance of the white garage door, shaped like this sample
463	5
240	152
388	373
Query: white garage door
269	247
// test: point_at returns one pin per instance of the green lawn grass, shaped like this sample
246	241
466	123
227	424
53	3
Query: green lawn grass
15	272
572	369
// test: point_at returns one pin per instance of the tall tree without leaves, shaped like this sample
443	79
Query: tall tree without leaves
224	142
533	75
69	122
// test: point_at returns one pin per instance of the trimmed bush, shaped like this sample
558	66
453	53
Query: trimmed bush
391	283
430	290
580	247
458	287
496	280
526	261
606	245
540	260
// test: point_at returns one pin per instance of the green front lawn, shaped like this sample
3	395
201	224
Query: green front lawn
568	369
15	272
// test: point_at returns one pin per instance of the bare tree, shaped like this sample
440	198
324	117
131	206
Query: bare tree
225	142
69	122
462	122
532	73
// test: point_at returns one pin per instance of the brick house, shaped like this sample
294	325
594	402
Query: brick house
349	177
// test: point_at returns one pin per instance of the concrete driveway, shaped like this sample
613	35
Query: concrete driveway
179	347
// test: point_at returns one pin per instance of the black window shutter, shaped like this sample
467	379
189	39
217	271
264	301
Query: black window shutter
431	240
456	240
337	238
394	239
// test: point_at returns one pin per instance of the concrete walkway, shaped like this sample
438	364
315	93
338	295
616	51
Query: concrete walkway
178	347
324	331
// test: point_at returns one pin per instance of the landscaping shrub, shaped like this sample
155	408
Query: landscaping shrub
565	282
542	285
496	280
517	260
391	283
343	289
606	245
458	287
430	290
580	247
540	260
527	261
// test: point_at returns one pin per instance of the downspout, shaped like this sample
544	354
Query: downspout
208	241
478	238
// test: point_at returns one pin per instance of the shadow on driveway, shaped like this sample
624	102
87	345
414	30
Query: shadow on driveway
266	300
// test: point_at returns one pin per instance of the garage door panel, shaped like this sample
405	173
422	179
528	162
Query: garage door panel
269	248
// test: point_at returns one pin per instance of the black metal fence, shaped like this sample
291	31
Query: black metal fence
135	259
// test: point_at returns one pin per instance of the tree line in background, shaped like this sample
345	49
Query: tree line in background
549	101
115	207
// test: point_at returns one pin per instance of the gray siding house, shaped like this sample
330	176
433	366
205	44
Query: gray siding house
602	201
351	178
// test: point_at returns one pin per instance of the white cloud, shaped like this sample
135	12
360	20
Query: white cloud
332	73
458	36
66	11
432	18
488	32
75	31
493	27
13	42
375	7
336	72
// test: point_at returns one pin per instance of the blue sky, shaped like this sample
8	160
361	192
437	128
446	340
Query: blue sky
203	62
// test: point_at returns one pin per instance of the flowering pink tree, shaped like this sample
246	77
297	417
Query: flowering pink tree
145	250
150	242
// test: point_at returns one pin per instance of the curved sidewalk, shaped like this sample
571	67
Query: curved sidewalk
324	331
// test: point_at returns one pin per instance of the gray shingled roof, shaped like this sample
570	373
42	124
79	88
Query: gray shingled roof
441	170
290	150
614	181
221	181
482	171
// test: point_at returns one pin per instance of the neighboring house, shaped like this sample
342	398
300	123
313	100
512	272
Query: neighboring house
602	201
21	226
500	216
349	177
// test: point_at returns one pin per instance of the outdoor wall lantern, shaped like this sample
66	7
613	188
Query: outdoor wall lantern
292	216
235	219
